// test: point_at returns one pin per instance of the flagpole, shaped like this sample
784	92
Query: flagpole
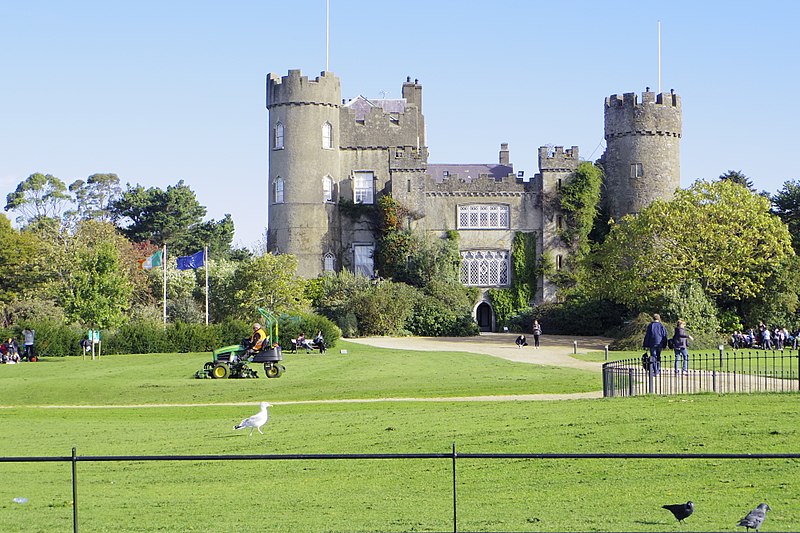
327	32
205	262
164	293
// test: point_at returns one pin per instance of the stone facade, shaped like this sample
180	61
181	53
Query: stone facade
325	151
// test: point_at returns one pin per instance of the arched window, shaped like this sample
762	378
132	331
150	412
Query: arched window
279	191
327	189
329	262
485	268
327	136
279	135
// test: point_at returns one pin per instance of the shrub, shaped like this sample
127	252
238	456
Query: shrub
385	309
289	327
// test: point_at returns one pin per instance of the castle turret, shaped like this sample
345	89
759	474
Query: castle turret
642	157
303	165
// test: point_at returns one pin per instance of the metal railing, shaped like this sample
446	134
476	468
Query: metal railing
740	371
74	459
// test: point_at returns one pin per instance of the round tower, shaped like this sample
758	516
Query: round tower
642	157
303	166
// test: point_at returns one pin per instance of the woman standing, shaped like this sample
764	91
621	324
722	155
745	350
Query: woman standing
537	332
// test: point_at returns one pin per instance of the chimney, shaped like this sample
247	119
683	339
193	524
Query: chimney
504	154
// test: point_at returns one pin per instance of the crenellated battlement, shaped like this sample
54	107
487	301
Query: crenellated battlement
296	89
557	158
631	100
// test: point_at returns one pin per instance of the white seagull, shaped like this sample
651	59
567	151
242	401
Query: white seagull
255	421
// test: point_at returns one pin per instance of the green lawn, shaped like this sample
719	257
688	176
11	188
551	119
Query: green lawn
381	494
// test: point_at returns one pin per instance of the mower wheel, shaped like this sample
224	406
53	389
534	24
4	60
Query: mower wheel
220	371
273	371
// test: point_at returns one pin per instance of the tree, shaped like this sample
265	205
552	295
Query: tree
39	196
21	269
173	217
787	206
720	234
95	196
98	291
269	281
736	176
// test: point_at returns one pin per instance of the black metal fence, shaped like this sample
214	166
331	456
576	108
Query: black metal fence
718	372
452	457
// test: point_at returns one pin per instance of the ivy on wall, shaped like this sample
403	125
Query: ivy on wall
525	269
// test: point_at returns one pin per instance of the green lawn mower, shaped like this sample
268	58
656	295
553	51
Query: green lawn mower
234	361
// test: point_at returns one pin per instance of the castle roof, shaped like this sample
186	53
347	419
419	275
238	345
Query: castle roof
362	106
468	172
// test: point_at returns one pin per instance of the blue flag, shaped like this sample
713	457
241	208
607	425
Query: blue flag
191	261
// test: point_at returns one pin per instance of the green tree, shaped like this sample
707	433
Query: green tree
736	176
720	234
39	196
95	196
269	281
787	206
98	291
22	271
173	217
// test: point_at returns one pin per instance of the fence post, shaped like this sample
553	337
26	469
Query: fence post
455	527
574	347
721	351
74	491
630	382
605	350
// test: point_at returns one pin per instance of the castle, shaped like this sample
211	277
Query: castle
323	149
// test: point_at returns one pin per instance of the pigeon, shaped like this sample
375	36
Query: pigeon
681	511
255	421
755	517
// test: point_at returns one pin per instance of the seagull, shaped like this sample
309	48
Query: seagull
755	517
255	421
681	511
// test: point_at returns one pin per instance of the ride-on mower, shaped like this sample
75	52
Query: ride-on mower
232	361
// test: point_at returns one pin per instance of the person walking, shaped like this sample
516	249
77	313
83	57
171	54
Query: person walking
655	340
680	343
27	343
537	332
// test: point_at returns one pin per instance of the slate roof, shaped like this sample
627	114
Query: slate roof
468	172
362	106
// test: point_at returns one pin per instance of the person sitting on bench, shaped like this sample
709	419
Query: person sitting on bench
302	342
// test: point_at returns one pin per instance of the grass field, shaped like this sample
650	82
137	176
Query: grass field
380	494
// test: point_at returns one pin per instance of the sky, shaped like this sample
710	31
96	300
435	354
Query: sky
169	90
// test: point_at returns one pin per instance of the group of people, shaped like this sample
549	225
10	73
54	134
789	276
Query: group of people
10	351
766	338
536	329
309	345
656	339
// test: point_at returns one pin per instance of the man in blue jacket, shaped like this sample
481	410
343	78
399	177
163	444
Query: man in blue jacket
655	340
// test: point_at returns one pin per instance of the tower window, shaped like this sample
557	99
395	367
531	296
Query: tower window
278	136
327	136
559	222
327	189
329	262
279	191
362	259
559	261
364	187
637	171
558	185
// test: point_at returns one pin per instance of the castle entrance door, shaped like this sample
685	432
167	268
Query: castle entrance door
484	316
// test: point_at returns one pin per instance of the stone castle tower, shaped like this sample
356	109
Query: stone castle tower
642	157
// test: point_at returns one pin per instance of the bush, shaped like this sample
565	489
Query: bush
385	309
289	327
577	316
432	317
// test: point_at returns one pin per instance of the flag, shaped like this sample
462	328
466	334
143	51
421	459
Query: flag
195	260
152	261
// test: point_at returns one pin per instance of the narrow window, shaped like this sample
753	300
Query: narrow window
329	262
637	170
279	190
362	259
559	222
327	136
327	189
559	259
278	136
558	185
363	187
408	185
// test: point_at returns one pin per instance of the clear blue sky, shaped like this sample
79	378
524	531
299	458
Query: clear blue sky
158	91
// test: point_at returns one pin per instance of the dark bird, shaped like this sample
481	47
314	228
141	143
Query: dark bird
755	517
681	511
